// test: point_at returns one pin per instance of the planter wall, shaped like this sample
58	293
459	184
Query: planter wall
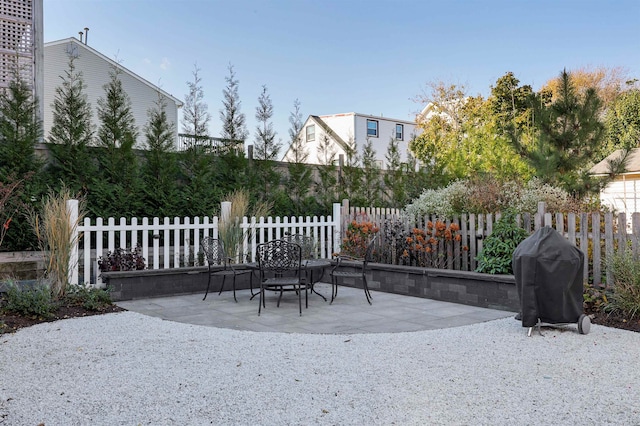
130	285
469	288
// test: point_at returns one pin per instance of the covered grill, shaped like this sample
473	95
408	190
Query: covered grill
548	274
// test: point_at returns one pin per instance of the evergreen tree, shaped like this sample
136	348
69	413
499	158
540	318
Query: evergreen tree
394	181
326	193
160	170
20	131
300	178
195	117
72	132
233	121
197	164
266	148
568	133
351	175
118	189
372	187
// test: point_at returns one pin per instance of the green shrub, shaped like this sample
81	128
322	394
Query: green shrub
94	299
30	301
497	251
624	296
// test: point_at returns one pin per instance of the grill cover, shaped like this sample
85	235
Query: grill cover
548	274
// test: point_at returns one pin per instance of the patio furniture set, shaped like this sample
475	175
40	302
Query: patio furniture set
284	265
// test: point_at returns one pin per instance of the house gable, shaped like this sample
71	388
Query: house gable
95	68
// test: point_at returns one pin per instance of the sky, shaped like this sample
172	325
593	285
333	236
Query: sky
337	56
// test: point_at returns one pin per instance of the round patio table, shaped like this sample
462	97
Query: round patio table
313	267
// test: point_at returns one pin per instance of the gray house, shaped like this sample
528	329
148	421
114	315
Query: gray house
95	68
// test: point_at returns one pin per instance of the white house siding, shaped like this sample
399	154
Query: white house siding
623	195
354	126
95	69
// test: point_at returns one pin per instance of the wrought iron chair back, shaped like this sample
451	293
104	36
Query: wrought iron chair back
306	242
214	252
359	273
280	264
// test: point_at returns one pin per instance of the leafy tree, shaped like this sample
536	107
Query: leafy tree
510	103
118	187
160	170
195	115
463	137
623	122
20	131
300	179
607	82
72	132
233	121
568	133
372	184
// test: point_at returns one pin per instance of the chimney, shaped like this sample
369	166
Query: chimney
81	33
86	35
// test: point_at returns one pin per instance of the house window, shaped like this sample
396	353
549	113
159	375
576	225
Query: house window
378	164
311	133
400	132
372	128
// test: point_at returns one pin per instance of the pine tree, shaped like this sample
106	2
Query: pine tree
160	170
72	132
393	179
195	117
372	187
266	148
117	190
326	189
20	131
568	133
233	121
300	179
351	174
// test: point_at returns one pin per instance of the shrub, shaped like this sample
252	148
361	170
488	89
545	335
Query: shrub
94	299
358	236
431	248
30	301
624	295
497	251
122	260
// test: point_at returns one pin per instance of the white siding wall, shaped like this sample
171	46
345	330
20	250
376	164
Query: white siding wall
95	72
623	196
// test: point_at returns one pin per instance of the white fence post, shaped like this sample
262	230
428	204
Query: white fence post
72	274
337	227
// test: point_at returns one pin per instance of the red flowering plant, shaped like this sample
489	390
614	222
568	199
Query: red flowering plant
358	236
432	247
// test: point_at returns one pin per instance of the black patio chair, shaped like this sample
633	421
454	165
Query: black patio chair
280	264
306	242
214	252
360	272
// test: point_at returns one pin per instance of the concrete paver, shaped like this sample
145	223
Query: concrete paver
349	314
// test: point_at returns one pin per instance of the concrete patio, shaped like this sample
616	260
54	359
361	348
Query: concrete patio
349	314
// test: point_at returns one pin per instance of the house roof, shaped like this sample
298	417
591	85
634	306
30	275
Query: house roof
377	117
74	40
632	164
328	130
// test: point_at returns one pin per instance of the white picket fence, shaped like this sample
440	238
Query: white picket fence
171	243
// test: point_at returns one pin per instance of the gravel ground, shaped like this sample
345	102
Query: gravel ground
130	369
